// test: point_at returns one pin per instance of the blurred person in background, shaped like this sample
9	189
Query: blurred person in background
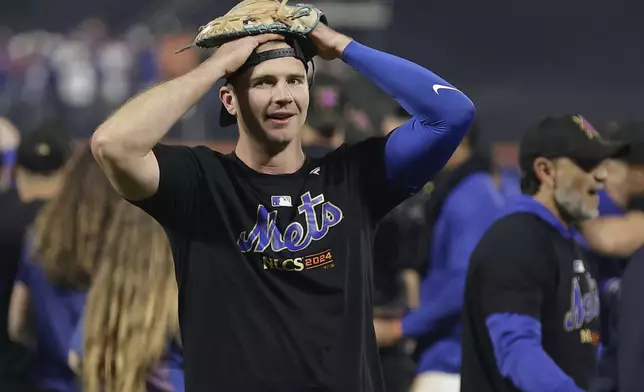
531	312
56	269
463	204
615	241
128	337
621	237
624	184
13	357
40	159
37	175
31	89
327	111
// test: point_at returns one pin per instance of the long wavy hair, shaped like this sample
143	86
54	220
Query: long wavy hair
132	307
69	231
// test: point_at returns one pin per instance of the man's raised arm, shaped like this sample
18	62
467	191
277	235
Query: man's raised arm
615	235
123	144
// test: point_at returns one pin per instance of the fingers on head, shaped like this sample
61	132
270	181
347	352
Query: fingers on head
269	37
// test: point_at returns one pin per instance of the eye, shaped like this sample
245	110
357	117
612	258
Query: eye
295	81
262	83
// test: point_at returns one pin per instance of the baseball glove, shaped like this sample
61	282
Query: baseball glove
253	17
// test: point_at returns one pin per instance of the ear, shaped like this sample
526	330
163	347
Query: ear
228	99
544	169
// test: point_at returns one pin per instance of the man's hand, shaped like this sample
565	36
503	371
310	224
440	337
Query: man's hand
329	44
617	236
232	55
388	332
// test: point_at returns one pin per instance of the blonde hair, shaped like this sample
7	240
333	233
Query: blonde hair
69	230
132	307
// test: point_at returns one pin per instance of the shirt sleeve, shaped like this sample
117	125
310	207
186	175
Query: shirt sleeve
412	154
176	203
512	273
367	161
521	358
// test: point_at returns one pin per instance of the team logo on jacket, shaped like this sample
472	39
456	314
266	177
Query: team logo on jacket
297	237
584	308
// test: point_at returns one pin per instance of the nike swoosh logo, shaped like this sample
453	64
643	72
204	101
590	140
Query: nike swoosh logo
437	87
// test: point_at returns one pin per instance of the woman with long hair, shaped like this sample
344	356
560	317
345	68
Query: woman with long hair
129	339
56	269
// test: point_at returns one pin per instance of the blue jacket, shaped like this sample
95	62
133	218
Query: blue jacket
466	214
55	311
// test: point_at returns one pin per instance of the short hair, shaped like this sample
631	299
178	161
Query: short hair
530	184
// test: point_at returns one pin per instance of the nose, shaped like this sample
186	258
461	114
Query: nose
281	94
600	173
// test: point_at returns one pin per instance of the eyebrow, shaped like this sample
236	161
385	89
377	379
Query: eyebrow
291	75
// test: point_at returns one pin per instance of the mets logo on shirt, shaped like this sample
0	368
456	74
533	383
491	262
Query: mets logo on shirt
296	238
584	307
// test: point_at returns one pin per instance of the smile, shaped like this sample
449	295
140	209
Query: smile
280	118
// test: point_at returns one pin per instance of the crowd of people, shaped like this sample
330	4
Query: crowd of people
78	78
124	255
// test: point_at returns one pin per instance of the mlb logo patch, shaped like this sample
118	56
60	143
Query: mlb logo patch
281	201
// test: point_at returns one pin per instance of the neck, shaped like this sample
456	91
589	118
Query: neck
548	201
43	188
261	159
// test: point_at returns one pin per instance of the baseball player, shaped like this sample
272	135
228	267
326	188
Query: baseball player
272	248
531	313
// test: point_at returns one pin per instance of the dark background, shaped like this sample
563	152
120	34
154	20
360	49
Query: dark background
518	60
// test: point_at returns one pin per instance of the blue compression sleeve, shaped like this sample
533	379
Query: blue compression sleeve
442	115
516	339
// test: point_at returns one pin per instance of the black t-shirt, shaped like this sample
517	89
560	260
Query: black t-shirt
317	150
274	271
523	265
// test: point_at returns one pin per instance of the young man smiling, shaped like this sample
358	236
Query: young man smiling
280	242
